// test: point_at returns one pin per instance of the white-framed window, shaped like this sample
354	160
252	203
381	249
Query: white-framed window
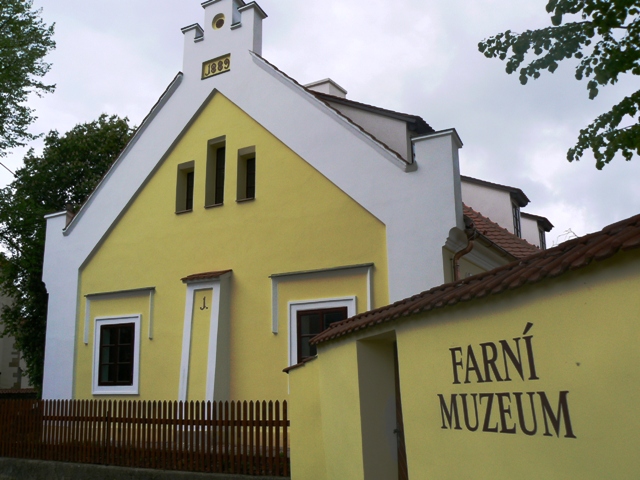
307	318
116	355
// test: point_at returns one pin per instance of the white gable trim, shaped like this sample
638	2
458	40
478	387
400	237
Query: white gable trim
173	86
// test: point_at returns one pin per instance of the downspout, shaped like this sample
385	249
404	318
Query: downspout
471	233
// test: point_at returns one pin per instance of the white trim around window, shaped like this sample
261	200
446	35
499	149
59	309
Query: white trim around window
301	305
134	388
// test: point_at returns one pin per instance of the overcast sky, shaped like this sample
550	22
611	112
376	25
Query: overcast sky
414	56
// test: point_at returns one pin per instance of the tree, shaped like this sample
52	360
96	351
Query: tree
605	37
67	172
24	41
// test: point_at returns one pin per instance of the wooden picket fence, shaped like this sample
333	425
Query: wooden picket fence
248	438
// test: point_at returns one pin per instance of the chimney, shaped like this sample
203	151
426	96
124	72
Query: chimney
327	86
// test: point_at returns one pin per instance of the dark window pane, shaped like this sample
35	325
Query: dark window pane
104	374
310	324
105	336
107	354
220	163
334	316
306	350
126	334
124	374
251	178
313	322
116	354
125	355
189	193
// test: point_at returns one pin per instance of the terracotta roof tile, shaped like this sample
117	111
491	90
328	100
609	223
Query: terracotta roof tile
499	236
571	255
197	277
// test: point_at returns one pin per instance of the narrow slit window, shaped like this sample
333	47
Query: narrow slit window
251	177
246	174
216	163
185	187
189	198
220	160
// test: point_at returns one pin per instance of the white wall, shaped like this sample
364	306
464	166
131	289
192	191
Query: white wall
492	203
530	231
388	130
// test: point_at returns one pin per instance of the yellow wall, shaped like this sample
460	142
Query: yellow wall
584	337
340	403
585	341
298	221
304	402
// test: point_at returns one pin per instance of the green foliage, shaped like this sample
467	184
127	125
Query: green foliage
605	38
24	41
69	169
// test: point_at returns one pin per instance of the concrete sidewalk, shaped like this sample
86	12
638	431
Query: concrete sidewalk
19	469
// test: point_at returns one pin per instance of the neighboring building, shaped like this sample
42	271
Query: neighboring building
503	204
247	214
527	371
12	376
535	228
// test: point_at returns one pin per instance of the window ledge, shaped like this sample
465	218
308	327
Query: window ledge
244	200
184	211
116	391
214	205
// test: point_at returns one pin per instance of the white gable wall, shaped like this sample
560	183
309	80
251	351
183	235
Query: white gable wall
417	207
390	131
530	231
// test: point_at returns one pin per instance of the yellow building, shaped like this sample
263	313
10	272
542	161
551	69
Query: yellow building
528	371
247	214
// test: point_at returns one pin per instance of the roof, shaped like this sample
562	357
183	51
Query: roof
498	236
420	125
199	277
517	194
542	221
386	147
568	256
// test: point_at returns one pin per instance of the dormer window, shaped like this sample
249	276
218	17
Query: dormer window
517	228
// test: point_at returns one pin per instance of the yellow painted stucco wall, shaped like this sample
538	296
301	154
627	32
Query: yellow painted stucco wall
581	334
304	402
298	221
